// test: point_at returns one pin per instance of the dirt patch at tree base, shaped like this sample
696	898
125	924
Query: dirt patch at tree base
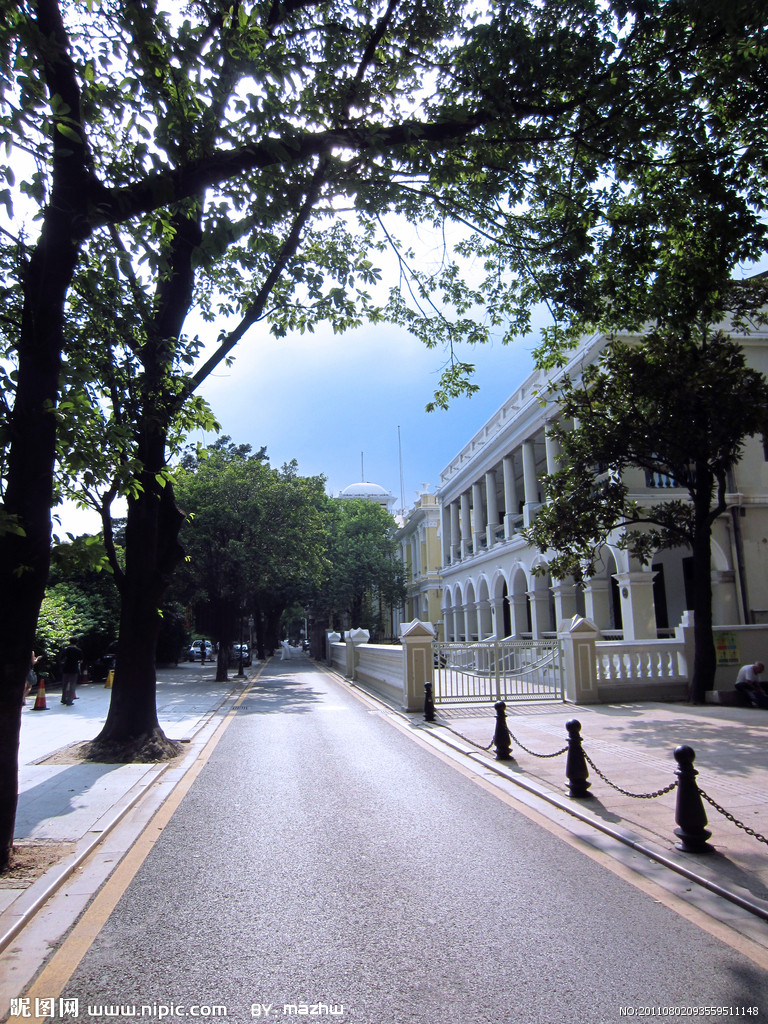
144	750
30	859
151	752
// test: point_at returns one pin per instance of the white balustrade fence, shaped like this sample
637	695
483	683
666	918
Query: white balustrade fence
639	660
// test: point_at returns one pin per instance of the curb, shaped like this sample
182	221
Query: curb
448	737
31	899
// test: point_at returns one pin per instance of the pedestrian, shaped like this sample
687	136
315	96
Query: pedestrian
71	661
31	681
749	686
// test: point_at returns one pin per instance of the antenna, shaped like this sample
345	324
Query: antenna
400	453
362	468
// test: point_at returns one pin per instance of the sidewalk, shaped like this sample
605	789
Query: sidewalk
67	807
633	746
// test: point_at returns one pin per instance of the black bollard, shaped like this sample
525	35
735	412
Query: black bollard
576	770
429	704
501	738
689	808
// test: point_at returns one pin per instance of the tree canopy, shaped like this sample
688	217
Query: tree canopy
255	539
366	578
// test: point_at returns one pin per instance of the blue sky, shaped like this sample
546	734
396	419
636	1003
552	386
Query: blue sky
324	399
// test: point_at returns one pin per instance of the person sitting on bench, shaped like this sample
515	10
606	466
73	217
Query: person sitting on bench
748	685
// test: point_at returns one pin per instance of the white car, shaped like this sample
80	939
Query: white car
234	655
196	647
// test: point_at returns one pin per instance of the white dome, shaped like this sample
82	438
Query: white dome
367	491
364	490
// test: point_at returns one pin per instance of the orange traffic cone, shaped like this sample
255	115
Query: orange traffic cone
40	704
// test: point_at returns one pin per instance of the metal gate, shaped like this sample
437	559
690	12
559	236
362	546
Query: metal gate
491	670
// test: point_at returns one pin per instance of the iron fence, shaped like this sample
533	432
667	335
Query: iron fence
492	670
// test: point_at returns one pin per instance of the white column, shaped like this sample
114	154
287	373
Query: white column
466	526
445	534
467	622
484	620
455	532
510	494
552	448
518	606
541	618
497	613
530	482
478	520
479	619
597	602
565	603
492	506
638	612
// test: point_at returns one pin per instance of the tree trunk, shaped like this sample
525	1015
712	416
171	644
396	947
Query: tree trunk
704	658
152	548
275	609
25	556
132	730
258	628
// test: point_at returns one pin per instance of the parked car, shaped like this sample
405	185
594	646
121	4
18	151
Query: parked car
234	655
196	648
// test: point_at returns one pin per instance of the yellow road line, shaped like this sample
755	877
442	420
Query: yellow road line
62	965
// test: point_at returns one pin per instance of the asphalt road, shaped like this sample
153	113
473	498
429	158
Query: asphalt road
323	861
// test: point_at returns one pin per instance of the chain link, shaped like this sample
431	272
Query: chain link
727	814
533	753
625	792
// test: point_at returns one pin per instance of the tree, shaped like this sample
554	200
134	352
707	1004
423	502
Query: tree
79	601
365	573
651	247
122	110
278	112
678	406
255	539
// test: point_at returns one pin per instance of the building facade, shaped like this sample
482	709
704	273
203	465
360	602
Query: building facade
492	489
420	552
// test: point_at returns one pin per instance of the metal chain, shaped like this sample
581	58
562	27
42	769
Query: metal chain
625	792
727	814
533	753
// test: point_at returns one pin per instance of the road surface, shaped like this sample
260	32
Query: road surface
324	864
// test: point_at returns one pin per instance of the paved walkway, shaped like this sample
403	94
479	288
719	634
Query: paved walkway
76	804
320	856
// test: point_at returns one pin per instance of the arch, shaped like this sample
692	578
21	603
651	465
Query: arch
602	604
519	602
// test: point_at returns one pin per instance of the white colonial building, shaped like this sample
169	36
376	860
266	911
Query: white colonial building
492	489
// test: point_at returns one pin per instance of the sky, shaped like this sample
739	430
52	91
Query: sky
335	403
345	406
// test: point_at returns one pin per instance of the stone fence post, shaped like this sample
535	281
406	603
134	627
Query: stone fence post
331	638
418	661
579	667
354	637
